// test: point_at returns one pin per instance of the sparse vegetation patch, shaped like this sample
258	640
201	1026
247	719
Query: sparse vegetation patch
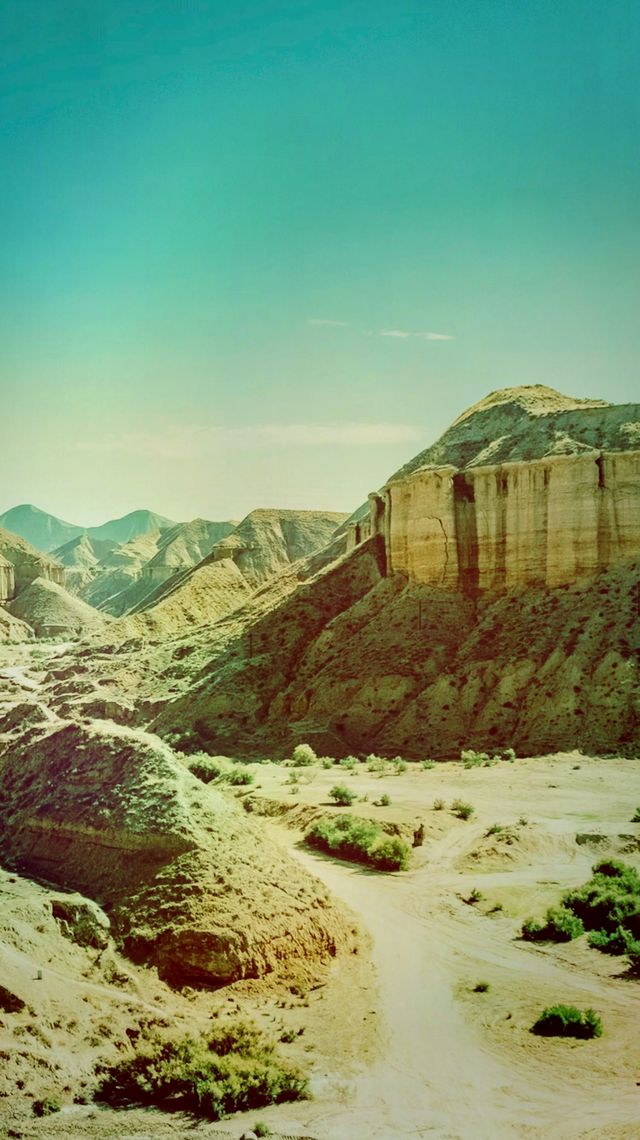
608	906
361	840
342	795
567	1021
560	925
230	1070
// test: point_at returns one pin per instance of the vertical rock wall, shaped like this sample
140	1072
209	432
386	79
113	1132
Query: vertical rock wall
7	580
549	522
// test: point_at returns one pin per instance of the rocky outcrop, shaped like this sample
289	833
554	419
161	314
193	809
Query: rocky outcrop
183	547
536	519
268	540
548	522
189	881
7	580
490	597
27	562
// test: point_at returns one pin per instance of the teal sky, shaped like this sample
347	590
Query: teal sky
189	190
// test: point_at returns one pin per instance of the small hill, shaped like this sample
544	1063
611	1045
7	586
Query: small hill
185	545
520	424
267	540
51	611
130	526
176	550
206	594
42	530
120	568
82	558
190	882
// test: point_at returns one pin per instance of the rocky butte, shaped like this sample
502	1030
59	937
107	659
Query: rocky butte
489	598
528	487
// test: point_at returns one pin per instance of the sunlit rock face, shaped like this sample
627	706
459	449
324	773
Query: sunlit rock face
550	522
7	580
528	487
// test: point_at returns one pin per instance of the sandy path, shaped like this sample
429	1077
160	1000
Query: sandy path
440	1075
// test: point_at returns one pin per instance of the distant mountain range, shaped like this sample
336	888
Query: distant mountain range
47	533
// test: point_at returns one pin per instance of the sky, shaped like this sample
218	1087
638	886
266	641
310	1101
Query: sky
260	254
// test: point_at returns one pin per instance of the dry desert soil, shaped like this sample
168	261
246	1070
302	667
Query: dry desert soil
395	1037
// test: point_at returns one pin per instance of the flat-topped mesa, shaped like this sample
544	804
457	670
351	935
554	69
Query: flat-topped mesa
557	510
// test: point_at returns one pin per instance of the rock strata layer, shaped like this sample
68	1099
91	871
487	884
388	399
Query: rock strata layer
515	494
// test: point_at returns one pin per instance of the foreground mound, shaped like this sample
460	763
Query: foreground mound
189	881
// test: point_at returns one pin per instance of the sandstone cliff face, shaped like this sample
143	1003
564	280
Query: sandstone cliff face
7	580
27	562
548	522
526	488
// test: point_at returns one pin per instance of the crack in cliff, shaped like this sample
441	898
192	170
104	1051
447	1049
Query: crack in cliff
436	518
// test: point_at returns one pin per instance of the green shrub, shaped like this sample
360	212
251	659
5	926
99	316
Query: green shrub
382	801
349	762
567	1021
462	810
427	765
474	897
560	925
377	764
303	756
342	795
472	759
609	900
495	829
327	762
261	1129
232	1070
481	988
633	955
635	818
204	767
389	854
399	766
609	941
439	805
361	840
238	776
45	1107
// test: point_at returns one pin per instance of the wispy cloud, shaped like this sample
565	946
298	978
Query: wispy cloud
402	334
326	321
397	334
191	442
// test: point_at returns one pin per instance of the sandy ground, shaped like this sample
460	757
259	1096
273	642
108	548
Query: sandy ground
398	1043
